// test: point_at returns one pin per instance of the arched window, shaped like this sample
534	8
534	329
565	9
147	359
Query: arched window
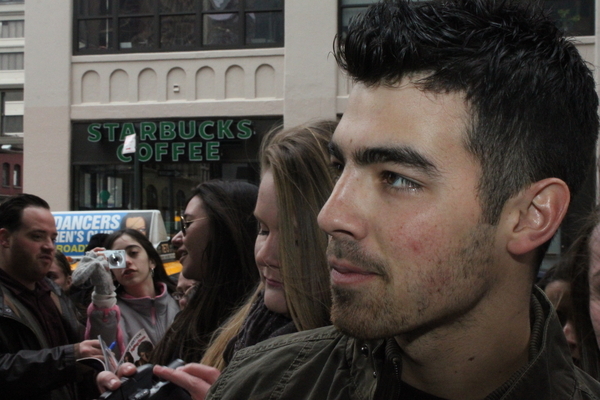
17	175
6	174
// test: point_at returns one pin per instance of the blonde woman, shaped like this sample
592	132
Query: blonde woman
290	247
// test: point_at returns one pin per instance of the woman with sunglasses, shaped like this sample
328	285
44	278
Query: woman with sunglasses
216	249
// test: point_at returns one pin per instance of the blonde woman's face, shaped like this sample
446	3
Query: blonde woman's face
266	249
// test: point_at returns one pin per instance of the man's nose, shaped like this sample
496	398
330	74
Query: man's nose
48	244
344	211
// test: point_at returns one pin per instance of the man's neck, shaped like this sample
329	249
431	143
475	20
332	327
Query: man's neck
6	268
468	360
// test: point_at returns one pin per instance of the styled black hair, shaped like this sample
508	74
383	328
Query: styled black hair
11	211
160	274
532	97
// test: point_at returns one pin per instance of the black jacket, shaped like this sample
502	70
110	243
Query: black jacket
28	368
324	364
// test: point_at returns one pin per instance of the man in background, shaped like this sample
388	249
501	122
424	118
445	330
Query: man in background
40	338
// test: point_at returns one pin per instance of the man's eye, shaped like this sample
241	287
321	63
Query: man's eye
397	181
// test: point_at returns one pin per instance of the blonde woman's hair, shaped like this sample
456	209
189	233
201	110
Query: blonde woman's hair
299	160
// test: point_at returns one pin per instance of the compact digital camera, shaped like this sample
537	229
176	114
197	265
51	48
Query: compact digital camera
144	385
116	258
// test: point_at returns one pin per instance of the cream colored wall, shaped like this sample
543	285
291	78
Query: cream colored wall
47	127
190	84
310	68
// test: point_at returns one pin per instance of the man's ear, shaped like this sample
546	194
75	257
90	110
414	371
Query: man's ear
4	238
538	212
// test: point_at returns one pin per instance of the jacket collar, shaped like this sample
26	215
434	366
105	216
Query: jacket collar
550	373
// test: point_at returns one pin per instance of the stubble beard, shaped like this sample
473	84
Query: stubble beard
380	313
27	267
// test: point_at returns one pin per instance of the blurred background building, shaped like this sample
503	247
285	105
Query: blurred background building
12	77
198	82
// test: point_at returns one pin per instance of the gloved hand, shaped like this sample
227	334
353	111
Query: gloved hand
95	267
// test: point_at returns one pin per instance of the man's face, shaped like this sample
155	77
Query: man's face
136	223
407	249
30	249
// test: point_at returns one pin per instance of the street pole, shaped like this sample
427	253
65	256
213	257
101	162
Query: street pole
137	178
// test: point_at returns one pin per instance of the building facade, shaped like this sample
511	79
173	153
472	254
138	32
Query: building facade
12	78
198	82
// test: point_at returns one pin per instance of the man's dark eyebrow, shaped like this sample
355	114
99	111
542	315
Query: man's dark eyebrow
397	155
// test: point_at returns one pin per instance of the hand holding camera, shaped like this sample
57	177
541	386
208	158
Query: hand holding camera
95	266
144	385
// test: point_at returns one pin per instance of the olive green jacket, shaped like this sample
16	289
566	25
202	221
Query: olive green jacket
324	364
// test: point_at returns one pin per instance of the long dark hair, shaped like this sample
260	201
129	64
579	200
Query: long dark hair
231	274
160	275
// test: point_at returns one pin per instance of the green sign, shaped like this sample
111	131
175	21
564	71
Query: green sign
170	141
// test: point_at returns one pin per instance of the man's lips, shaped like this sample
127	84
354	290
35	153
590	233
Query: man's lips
343	273
46	258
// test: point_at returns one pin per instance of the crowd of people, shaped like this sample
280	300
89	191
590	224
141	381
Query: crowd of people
390	255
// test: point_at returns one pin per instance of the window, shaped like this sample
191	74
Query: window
11	61
17	175
12	29
575	17
124	26
6	174
11	112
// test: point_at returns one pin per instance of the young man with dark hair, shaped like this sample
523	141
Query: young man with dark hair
470	126
40	338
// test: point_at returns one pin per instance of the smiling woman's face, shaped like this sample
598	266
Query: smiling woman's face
266	249
195	240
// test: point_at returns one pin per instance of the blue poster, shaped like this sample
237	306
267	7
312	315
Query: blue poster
75	228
